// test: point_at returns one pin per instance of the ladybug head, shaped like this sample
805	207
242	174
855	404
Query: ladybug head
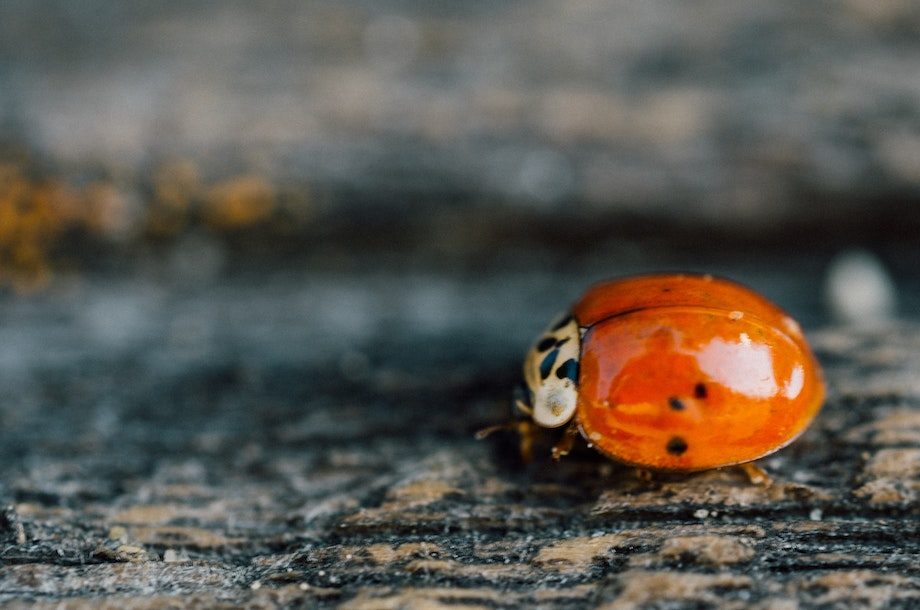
551	374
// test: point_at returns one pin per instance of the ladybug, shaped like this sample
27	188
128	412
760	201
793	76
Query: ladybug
671	373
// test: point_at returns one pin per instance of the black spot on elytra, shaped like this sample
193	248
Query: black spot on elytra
675	403
666	289
677	446
569	369
547	365
546	343
562	322
699	390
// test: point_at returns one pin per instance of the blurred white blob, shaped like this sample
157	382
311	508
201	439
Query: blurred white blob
858	289
546	176
538	176
392	42
120	318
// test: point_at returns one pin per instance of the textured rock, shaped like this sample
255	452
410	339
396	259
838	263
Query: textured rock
260	462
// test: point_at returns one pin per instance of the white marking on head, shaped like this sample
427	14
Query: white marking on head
551	373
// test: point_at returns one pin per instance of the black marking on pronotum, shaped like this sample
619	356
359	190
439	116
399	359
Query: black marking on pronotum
675	403
562	342
569	369
546	343
547	365
677	446
562	322
699	390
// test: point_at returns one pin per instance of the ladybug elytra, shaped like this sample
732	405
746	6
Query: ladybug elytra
672	373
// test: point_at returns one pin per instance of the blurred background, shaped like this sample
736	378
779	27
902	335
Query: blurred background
372	187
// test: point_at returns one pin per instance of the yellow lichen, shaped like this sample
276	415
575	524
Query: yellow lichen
238	202
28	225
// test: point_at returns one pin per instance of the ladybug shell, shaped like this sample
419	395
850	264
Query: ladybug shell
682	373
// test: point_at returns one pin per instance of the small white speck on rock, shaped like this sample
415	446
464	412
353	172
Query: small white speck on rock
256	586
701	513
858	289
816	514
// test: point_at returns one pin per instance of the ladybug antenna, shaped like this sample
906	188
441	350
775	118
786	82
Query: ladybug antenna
521	400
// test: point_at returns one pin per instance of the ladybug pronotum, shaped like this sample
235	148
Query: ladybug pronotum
672	373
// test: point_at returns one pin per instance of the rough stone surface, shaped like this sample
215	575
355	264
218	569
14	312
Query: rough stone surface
275	443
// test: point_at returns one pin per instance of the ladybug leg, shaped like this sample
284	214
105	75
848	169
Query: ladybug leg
564	445
643	475
526	431
516	425
756	475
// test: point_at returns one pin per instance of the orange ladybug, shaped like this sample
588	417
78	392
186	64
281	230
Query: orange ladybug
672	373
